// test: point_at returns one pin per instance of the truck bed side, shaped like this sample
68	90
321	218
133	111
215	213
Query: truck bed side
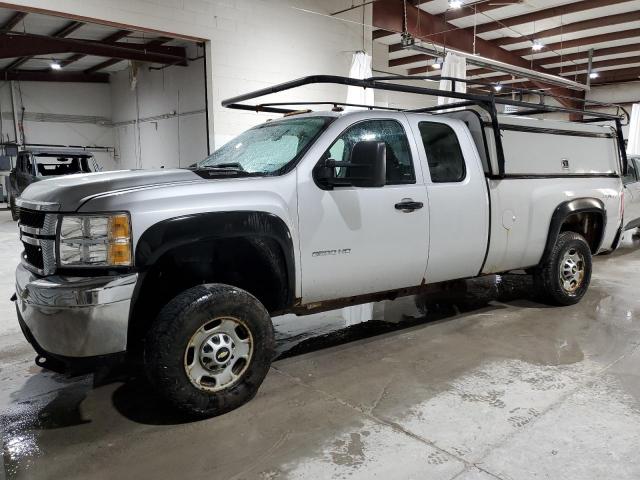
522	210
547	164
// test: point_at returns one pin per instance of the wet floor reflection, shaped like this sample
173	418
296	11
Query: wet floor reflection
328	329
23	420
295	335
61	406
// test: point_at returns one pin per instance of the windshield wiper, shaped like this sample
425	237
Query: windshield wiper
226	166
229	169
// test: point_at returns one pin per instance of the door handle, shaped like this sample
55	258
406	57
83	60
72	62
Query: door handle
409	206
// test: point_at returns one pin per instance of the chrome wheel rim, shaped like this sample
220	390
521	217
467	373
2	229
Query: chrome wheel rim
218	354
572	270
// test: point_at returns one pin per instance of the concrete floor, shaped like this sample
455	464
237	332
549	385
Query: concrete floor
488	385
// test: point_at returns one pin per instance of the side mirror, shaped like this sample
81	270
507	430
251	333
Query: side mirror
367	168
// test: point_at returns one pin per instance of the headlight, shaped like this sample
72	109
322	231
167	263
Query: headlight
95	240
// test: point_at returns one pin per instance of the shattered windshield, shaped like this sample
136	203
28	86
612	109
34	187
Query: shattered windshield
268	148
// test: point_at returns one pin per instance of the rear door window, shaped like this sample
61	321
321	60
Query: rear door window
444	156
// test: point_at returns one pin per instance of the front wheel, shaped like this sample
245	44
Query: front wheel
209	349
564	277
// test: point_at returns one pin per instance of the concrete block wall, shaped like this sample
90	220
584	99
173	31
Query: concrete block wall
259	43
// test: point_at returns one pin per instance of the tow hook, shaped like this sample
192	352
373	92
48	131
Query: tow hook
51	364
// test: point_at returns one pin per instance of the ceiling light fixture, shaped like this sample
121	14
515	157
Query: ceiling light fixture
55	65
594	75
498	66
497	87
537	46
455	4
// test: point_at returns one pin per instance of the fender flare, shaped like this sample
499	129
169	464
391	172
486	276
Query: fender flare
562	211
180	231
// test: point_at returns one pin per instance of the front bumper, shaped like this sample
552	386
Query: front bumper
75	316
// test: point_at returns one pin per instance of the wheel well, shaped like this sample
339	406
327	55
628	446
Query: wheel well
588	224
255	264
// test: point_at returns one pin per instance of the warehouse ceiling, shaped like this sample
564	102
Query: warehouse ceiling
545	35
39	47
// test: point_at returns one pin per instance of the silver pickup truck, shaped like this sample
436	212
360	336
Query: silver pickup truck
316	210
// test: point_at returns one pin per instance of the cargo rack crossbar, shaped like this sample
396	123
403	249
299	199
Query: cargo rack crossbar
486	101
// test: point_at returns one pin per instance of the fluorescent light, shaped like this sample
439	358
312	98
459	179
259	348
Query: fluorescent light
594	75
455	4
55	65
537	46
497	87
498	66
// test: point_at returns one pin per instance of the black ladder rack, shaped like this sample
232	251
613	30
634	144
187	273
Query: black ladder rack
486	101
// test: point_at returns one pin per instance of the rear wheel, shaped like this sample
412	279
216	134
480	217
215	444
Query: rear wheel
209	349
564	277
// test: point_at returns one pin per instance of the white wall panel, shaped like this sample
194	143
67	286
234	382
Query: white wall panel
193	139
160	98
61	114
160	143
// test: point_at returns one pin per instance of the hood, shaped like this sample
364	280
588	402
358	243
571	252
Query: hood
70	191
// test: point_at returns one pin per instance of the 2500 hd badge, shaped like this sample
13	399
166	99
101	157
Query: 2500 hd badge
324	253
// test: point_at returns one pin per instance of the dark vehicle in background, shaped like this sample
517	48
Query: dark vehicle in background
632	193
33	165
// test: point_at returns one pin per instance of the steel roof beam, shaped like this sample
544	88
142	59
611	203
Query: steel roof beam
574	27
389	14
584	56
13	21
614	62
49	76
113	61
544	14
20	45
63	32
581	42
114	37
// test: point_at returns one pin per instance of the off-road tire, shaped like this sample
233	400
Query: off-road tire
15	216
167	339
548	277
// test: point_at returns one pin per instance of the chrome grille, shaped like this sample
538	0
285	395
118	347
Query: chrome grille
37	232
